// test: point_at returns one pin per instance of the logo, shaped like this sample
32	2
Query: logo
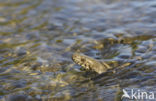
138	95
125	95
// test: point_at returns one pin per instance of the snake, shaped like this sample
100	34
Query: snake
91	64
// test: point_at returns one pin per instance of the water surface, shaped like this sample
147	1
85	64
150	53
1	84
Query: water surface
38	38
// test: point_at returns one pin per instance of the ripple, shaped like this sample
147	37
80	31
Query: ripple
37	39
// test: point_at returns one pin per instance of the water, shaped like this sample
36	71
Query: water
38	37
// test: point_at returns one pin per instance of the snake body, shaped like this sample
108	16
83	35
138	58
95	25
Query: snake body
92	64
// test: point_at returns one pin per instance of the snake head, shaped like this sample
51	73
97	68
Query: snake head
81	60
89	63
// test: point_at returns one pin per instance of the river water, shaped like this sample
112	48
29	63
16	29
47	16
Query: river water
38	38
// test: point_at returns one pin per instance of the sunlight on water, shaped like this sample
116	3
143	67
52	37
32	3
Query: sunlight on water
38	38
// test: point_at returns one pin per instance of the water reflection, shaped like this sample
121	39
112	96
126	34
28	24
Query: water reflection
37	39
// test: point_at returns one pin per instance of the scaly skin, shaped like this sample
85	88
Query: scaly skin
90	64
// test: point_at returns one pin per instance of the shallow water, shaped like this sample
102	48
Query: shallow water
38	38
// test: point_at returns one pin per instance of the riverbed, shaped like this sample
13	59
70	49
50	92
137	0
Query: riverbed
38	38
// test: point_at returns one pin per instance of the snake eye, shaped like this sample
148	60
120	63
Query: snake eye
83	59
